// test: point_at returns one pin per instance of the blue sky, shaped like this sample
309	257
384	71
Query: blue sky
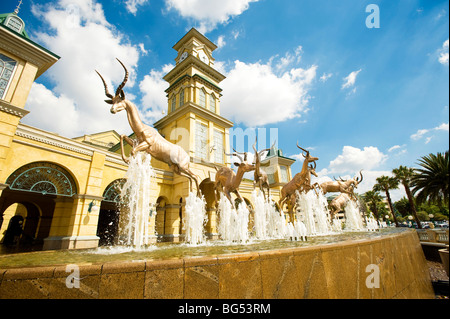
357	97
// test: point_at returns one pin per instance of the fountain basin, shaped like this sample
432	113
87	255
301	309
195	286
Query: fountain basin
324	270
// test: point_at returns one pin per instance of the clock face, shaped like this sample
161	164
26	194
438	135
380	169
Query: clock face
183	56
203	57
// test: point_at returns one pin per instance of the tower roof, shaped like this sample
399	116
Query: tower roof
13	22
193	33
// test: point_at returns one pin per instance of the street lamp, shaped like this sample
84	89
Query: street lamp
410	220
431	217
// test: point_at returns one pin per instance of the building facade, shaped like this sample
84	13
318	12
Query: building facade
63	193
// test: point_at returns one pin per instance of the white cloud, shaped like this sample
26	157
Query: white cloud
289	59
351	162
419	134
354	159
422	132
350	80
132	5
154	98
442	127
209	13
79	33
394	148
256	95
326	76
221	42
54	113
398	150
443	53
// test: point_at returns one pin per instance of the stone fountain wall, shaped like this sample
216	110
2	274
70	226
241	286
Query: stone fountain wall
324	271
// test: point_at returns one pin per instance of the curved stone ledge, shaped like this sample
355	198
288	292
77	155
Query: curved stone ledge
323	271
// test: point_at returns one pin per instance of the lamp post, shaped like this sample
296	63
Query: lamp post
431	217
410	220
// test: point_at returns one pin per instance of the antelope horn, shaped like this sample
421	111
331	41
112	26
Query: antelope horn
307	152
104	84
125	79
234	154
267	149
359	180
244	153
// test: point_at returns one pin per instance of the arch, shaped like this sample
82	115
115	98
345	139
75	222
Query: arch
160	220
22	224
44	178
109	216
113	190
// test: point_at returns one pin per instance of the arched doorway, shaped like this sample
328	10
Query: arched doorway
32	192
109	216
161	216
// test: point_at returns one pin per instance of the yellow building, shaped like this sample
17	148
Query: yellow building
61	193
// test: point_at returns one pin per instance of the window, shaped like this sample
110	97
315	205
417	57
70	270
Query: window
7	66
181	102
218	143
15	23
201	140
271	178
284	174
212	103
174	103
202	98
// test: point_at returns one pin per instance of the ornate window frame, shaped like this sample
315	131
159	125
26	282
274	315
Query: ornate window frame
4	69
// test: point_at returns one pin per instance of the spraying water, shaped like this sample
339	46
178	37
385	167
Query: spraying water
136	193
371	223
312	211
195	219
233	224
353	220
269	223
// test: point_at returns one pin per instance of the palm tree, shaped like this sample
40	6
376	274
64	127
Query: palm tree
385	183
430	182
404	175
373	198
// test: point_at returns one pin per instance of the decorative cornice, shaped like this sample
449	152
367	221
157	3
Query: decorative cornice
27	50
11	109
35	134
193	62
198	110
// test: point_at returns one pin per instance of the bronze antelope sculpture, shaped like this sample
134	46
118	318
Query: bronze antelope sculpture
299	180
260	176
338	204
226	181
342	186
147	138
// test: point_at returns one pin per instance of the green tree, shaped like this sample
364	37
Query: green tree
384	184
404	175
372	198
402	206
430	182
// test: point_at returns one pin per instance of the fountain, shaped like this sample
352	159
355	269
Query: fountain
310	256
353	219
195	220
136	194
233	223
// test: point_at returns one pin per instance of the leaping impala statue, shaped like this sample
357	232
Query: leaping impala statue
147	138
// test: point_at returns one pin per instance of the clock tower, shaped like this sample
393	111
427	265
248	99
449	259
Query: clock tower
193	118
